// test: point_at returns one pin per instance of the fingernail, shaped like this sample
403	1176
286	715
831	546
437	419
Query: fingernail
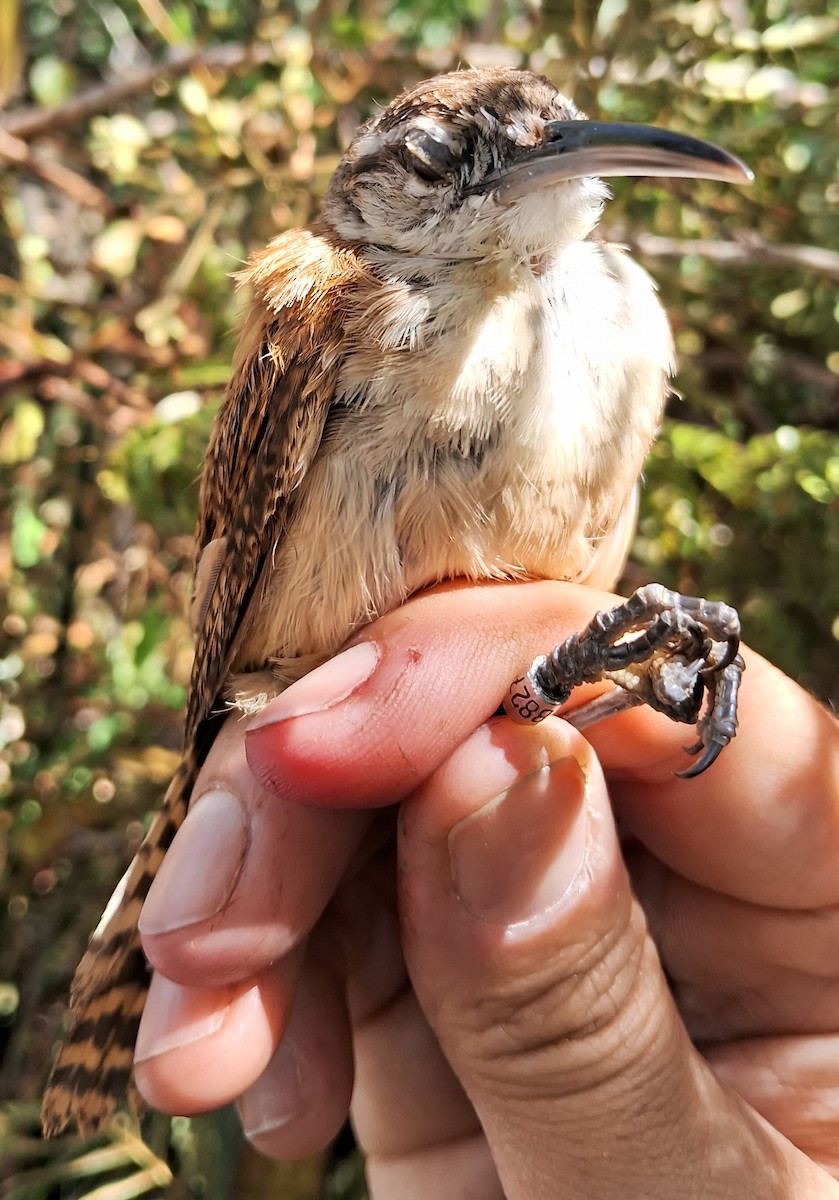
199	872
176	1017
277	1096
517	856
324	687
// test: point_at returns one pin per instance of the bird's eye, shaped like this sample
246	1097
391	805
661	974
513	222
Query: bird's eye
430	157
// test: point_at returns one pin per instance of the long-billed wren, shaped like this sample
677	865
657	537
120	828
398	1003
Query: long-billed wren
448	375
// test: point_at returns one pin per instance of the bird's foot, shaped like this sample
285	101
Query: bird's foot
670	651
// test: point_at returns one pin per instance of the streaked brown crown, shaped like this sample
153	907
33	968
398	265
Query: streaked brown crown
422	155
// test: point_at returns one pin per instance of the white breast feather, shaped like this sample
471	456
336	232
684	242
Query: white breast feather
561	374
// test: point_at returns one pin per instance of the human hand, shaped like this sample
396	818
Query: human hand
533	1043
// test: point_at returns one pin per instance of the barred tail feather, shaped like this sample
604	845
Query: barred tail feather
93	1068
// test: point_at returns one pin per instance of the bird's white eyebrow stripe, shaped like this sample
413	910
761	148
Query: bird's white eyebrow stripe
370	143
440	130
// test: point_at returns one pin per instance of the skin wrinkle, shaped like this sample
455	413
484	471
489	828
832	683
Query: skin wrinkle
465	1162
369	1019
403	754
438	1143
703	1007
726	1019
544	991
601	1024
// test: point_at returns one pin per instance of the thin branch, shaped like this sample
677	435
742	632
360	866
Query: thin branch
57	390
118	408
162	22
79	189
97	376
197	249
107	96
746	252
15	375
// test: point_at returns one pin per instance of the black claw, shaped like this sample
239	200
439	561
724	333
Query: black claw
727	659
662	649
711	754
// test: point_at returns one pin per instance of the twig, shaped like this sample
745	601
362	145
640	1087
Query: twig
17	375
65	391
160	19
745	252
108	96
13	149
197	249
97	376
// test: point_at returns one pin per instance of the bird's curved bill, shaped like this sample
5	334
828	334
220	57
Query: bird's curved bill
579	149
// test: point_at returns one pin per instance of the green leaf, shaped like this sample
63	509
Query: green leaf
28	532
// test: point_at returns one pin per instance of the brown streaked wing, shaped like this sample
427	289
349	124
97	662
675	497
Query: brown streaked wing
266	436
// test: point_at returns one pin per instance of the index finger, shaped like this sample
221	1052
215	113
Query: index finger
365	729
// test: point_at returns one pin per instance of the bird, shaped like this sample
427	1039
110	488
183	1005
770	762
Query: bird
448	375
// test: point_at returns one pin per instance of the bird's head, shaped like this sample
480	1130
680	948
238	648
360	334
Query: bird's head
476	162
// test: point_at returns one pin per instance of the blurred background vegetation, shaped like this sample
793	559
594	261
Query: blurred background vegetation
145	149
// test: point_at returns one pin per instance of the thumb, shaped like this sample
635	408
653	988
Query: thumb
533	964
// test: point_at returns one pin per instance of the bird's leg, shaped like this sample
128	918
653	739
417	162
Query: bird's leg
661	648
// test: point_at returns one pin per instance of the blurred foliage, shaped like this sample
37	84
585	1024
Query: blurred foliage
145	149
